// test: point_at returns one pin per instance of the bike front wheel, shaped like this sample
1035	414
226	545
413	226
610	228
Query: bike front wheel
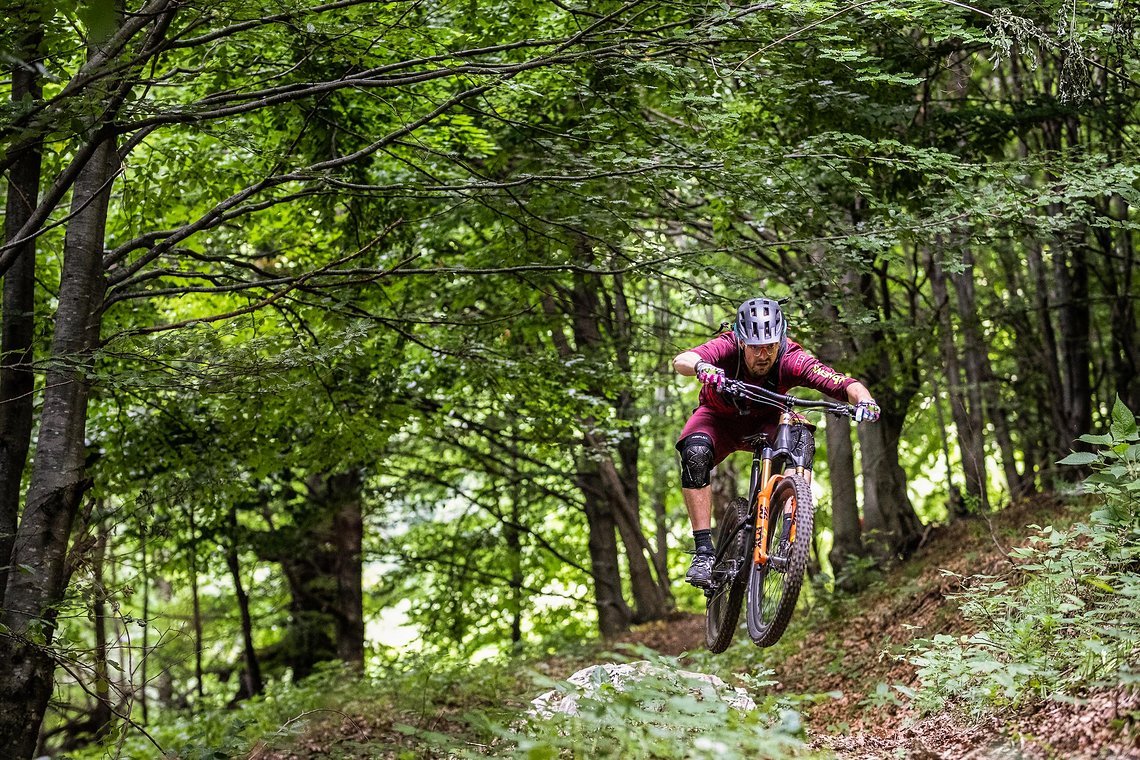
722	607
773	588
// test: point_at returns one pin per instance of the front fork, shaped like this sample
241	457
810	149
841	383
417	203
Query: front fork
763	503
764	486
760	555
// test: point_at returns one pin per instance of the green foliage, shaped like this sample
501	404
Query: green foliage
1068	618
697	152
219	732
432	706
660	711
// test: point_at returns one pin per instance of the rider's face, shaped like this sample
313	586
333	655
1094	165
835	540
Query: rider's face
759	359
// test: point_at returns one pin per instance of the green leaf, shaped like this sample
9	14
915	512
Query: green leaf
1097	583
1080	458
99	16
1123	421
1097	440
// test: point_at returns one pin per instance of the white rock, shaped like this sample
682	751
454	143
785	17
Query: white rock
619	676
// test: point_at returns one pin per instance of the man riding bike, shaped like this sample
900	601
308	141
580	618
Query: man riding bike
758	352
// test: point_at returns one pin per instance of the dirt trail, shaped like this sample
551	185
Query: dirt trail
860	652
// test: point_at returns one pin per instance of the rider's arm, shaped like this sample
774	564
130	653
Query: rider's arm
685	363
857	392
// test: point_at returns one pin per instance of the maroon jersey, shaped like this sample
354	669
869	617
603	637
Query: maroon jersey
795	367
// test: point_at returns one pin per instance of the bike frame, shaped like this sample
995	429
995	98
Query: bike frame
764	481
771	460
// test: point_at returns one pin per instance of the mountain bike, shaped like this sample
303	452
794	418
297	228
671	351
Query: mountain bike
762	542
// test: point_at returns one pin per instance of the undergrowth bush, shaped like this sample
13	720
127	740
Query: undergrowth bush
421	707
662	713
1068	618
216	732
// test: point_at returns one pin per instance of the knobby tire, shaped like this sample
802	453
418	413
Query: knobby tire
772	593
722	609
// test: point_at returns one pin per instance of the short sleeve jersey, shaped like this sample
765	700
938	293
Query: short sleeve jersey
795	367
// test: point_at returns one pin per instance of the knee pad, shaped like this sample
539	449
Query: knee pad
696	460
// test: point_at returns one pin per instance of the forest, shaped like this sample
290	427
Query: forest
336	340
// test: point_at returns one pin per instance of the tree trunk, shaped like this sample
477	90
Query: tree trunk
252	674
1122	310
1031	420
975	354
614	473
847	530
58	481
144	574
1072	283
725	487
966	416
846	527
614	614
652	598
101	715
321	559
344	491
891	526
1051	403
983	386
514	552
18	326
196	606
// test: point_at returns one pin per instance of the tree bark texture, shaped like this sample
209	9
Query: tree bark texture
847	529
614	613
1117	276
58	481
967	417
725	487
344	494
18	321
321	559
1050	403
974	356
252	676
891	526
652	599
1072	297
592	308
101	715
982	385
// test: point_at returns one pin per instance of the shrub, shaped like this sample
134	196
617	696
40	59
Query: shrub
1069	617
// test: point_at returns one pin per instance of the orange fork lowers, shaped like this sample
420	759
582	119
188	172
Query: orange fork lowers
763	502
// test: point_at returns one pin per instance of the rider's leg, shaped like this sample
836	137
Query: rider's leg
698	501
698	455
697	458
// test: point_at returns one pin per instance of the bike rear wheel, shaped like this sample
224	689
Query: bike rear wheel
774	588
722	608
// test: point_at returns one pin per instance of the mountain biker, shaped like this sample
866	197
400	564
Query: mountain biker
756	351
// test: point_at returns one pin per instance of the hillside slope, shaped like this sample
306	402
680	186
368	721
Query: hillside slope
844	664
856	650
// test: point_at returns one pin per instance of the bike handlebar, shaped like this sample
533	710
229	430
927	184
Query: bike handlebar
765	396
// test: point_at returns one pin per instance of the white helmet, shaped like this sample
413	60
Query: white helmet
759	322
